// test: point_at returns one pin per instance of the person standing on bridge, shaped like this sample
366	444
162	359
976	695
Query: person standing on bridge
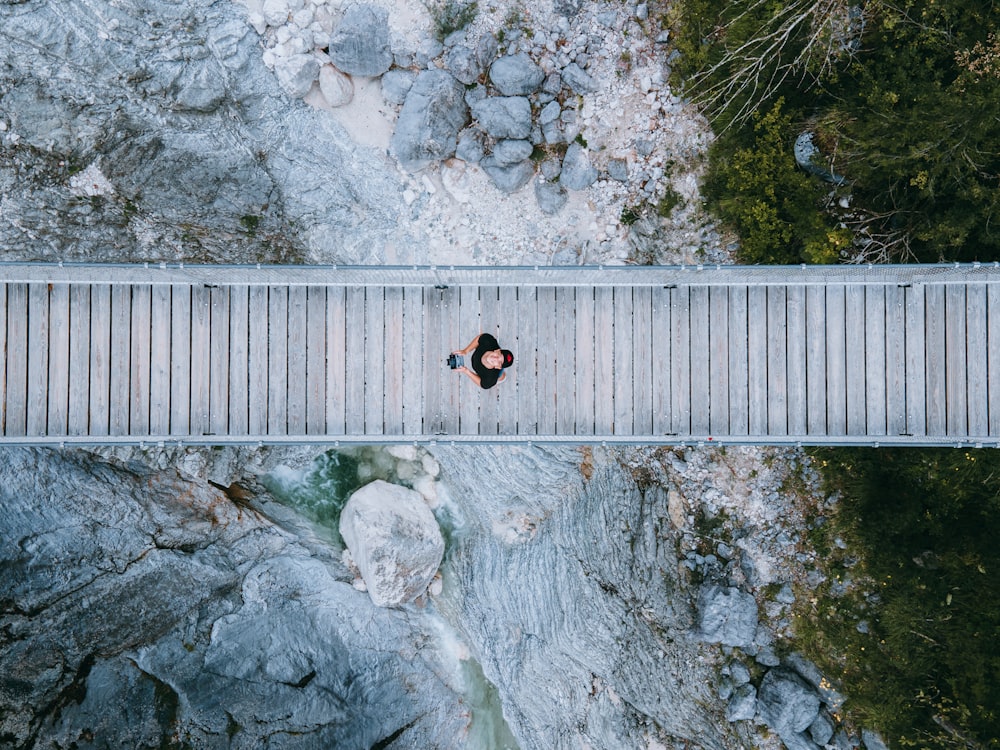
488	361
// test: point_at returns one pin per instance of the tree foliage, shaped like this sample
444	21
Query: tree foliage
925	523
904	99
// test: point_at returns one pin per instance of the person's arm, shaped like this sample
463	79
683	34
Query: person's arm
470	348
472	376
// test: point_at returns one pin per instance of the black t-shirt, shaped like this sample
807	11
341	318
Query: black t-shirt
487	377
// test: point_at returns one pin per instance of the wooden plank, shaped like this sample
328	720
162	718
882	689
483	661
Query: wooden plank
159	360
680	360
527	369
854	305
38	359
757	359
604	360
547	376
239	359
469	398
79	360
435	350
6	364
777	361
661	360
700	361
219	337
139	360
375	361
895	360
393	374
121	352
738	364
993	358
718	360
336	360
565	356
455	334
875	370
59	328
316	360
356	361
297	353
956	380
508	397
795	307
17	361
977	349
642	354
583	348
412	370
836	360
936	362
277	360
916	360
201	342
100	358
624	361
815	333
257	386
489	403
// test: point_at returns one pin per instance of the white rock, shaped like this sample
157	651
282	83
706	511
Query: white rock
296	73
258	22
302	18
431	466
394	540
428	489
402	452
336	87
277	11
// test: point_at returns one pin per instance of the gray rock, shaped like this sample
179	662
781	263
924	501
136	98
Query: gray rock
396	85
427	51
807	156
471	145
508	178
359	45
743	703
462	63
336	87
766	657
296	73
726	615
394	540
577	172
844	741
785	594
550	169
504	116
475	94
550	113
577	79
486	50
812	674
428	124
786	702
516	75
551	196
618	170
873	740
507	152
739	673
821	730
644	147
552	84
552	132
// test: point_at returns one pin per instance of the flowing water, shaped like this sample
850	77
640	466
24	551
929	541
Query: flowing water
319	493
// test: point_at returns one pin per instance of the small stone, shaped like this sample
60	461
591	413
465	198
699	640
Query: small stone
743	704
618	170
516	75
471	146
507	151
577	172
396	84
549	113
336	87
508	178
577	79
551	196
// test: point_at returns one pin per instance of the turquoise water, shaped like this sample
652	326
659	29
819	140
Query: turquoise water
319	493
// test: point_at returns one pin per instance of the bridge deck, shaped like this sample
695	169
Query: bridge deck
888	355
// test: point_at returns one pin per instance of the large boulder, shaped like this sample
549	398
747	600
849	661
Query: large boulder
462	63
726	615
504	116
393	539
359	45
577	171
516	75
786	702
509	178
428	124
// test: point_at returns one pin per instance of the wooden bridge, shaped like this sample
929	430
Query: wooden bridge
173	354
